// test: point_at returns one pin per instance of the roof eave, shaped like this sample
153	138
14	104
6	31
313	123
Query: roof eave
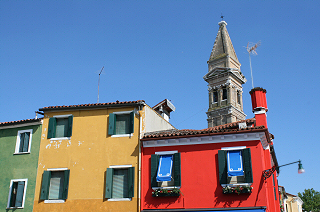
206	134
21	123
86	107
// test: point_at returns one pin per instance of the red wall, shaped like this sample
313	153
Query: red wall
200	185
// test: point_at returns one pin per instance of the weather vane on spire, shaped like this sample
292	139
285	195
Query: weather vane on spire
221	16
252	48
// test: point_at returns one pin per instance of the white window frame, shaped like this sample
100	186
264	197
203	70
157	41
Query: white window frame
119	167
122	135
61	117
16	152
232	149
166	153
24	192
55	200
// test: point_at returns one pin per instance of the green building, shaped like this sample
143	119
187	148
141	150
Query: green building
19	152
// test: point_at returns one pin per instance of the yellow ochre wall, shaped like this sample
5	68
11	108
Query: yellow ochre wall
88	154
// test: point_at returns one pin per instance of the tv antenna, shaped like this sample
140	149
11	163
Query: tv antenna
99	83
252	48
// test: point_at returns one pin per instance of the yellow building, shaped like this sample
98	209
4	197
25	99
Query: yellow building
89	155
292	203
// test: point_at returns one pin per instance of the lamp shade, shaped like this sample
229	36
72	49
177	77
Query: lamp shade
300	168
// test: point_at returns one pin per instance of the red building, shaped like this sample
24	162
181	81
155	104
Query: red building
215	169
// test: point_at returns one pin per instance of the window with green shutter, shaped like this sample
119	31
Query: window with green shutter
55	185
60	126
119	182
17	193
227	178
121	123
23	144
156	170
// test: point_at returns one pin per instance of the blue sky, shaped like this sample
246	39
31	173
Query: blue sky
52	51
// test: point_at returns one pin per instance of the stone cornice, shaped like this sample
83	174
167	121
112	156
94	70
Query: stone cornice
217	72
224	85
226	108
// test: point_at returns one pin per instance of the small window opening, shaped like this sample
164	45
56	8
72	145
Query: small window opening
215	96
238	98
224	94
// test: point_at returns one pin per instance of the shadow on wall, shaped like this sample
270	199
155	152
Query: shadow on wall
228	200
156	202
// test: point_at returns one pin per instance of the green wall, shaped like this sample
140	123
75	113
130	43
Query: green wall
19	166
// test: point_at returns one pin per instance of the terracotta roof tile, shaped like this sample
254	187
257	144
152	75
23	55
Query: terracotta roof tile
19	122
231	127
92	105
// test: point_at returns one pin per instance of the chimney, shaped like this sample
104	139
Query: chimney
259	105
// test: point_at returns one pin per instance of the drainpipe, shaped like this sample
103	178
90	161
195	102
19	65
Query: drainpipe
139	169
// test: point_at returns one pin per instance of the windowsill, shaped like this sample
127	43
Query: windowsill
236	184
21	153
62	138
119	199
122	135
15	208
55	201
168	188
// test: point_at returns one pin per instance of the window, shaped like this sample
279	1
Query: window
235	165
224	94
215	96
234	160
119	183
55	184
23	144
60	126
121	123
238	97
17	193
165	169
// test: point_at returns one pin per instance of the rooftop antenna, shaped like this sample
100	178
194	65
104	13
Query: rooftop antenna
252	48
99	83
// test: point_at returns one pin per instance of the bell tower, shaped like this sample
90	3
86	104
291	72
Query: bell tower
225	81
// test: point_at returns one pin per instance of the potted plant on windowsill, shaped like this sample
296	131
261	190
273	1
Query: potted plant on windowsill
162	192
240	189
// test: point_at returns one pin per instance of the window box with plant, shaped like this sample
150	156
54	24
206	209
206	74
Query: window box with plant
240	189
162	192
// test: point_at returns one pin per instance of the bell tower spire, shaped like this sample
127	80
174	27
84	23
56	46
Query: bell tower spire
225	81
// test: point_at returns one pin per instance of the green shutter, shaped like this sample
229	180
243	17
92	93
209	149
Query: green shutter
177	169
69	129
131	123
52	128
13	196
46	176
154	170
65	184
19	196
222	159
246	159
109	176
21	142
112	124
26	142
131	182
